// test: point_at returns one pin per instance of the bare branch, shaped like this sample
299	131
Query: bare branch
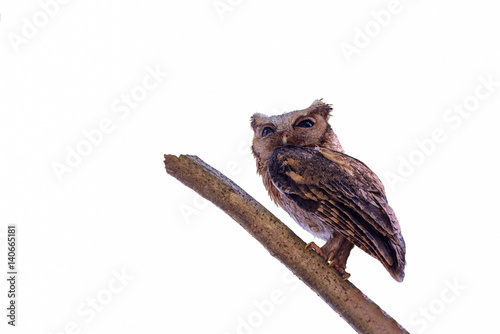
343	297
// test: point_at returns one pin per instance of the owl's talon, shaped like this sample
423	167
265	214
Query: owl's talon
317	249
341	270
330	259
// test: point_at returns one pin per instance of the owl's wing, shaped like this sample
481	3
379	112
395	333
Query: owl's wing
345	194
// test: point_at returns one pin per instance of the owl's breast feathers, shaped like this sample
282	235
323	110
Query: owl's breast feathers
343	193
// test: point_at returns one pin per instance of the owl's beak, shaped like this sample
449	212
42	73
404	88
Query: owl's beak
284	139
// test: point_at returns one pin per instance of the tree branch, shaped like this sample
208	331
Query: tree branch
343	297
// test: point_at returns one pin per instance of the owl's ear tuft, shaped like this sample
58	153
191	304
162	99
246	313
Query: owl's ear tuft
321	108
256	119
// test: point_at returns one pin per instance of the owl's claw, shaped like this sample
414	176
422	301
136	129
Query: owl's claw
345	275
330	259
317	249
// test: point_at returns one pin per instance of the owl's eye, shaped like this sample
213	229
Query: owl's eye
305	124
267	130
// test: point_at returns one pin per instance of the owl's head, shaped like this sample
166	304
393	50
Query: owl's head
306	128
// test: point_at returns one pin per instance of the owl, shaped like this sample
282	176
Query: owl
332	195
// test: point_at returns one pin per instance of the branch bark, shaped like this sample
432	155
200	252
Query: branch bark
342	296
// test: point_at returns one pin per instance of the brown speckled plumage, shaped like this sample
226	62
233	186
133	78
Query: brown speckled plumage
333	196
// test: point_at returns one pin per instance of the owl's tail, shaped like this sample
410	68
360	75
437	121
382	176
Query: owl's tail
397	269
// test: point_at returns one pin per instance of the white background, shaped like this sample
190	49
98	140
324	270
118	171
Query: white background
183	265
